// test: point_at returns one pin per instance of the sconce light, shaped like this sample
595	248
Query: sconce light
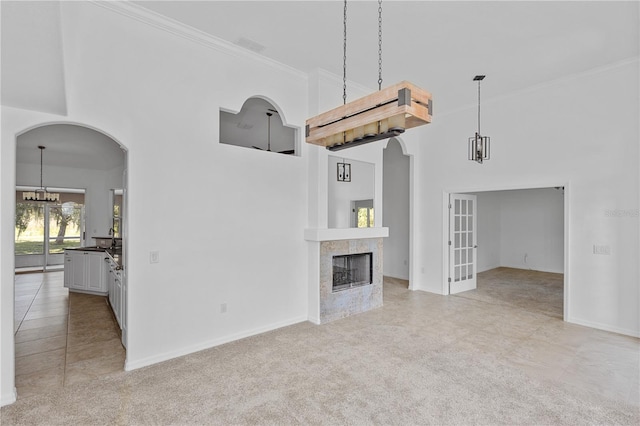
344	172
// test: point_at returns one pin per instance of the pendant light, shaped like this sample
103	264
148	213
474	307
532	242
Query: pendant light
479	146
270	113
41	194
380	115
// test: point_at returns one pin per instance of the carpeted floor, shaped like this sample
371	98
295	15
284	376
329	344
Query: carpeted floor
420	359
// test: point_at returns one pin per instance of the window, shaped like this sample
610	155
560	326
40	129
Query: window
116	212
49	228
363	214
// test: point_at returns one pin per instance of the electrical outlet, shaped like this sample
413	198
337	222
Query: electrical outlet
601	249
223	308
154	257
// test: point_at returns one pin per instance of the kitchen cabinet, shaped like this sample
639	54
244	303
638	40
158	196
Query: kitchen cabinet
84	271
117	295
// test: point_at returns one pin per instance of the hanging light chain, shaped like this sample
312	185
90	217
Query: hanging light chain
344	57
379	44
479	107
41	149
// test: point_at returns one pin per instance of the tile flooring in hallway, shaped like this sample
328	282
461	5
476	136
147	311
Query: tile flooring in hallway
61	338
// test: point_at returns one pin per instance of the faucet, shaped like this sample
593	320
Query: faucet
112	232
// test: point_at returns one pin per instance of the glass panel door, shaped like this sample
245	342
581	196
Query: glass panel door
65	227
29	232
462	221
43	231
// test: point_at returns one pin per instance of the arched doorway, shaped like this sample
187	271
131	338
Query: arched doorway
396	208
59	332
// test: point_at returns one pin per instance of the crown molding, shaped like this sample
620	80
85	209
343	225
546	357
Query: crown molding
169	25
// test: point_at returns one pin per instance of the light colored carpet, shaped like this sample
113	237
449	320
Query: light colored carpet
420	359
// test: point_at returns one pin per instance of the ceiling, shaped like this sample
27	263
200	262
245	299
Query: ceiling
438	45
69	146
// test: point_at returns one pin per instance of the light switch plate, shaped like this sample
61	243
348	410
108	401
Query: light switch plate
154	257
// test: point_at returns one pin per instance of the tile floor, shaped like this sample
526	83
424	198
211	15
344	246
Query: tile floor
61	337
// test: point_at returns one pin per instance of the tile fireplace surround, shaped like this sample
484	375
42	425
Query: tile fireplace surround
340	304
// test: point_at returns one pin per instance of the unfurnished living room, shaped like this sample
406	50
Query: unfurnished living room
320	212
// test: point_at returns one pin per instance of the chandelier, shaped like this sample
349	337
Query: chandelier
380	115
479	145
41	194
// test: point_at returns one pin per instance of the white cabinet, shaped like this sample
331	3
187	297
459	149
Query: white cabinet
117	294
84	271
68	269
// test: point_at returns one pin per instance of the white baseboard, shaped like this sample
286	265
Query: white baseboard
605	327
314	320
9	399
133	365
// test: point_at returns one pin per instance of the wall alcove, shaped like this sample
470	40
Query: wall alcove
259	126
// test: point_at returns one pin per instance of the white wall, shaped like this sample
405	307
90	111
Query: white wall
532	224
581	133
227	221
489	230
396	210
518	223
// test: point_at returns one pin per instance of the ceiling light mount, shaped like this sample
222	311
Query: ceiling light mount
41	194
479	146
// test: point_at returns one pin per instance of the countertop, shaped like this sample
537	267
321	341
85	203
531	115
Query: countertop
116	254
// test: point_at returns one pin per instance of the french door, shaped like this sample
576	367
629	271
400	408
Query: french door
462	242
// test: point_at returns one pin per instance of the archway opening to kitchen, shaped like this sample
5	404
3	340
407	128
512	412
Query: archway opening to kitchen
70	312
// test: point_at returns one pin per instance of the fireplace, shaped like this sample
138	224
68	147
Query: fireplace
350	277
352	270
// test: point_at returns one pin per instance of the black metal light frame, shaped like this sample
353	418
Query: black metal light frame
479	146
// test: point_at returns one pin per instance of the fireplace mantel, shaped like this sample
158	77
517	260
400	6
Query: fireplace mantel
336	234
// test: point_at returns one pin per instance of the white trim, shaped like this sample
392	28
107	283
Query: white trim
604	327
209	344
161	22
334	234
13	397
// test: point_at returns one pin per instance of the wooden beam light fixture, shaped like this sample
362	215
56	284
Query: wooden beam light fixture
380	115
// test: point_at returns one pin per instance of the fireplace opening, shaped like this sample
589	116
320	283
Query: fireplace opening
352	270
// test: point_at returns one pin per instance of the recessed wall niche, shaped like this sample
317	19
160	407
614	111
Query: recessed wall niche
257	126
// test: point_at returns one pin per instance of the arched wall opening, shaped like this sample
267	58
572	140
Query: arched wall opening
77	157
397	210
259	125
